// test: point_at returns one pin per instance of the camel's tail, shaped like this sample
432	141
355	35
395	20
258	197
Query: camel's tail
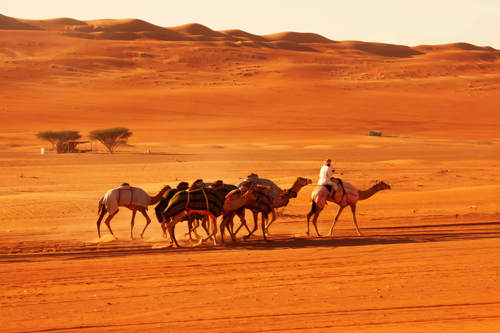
100	207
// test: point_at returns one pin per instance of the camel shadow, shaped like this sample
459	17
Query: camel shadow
427	233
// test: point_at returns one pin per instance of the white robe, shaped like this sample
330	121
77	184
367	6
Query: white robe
324	176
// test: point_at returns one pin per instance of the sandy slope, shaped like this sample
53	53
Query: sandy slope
219	105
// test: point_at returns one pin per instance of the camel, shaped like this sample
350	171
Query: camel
235	203
205	201
346	195
263	204
279	198
133	198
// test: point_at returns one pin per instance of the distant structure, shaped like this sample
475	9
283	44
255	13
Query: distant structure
70	147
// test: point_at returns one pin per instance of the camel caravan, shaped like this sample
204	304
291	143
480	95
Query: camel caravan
201	204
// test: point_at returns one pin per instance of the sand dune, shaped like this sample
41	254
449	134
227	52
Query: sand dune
127	25
9	23
237	34
199	32
452	47
57	24
298	37
381	49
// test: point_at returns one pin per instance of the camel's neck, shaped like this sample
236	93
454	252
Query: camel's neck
236	203
158	197
285	196
363	195
297	186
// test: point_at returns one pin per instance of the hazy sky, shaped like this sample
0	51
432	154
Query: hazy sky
391	21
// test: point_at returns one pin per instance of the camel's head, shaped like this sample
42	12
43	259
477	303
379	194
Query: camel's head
166	188
383	186
218	184
304	181
197	183
300	183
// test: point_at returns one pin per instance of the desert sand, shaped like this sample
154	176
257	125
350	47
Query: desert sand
220	105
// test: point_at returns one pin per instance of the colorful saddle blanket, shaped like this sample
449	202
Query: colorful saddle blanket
205	201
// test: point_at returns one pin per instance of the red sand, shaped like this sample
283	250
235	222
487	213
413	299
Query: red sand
220	107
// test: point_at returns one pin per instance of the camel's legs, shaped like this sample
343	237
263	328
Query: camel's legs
227	220
204	225
191	227
214	233
148	221
132	224
194	224
272	220
335	220
171	227
103	212
353	209
255	217
263	225
108	220
243	221
315	220
311	213
164	223
222	227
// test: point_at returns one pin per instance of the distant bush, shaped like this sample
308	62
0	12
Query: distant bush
58	139
111	138
375	133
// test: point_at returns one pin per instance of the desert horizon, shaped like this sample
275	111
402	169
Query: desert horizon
221	105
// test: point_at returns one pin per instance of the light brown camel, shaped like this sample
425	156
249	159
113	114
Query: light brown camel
346	195
235	200
133	198
284	197
279	197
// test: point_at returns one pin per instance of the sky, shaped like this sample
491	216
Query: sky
404	22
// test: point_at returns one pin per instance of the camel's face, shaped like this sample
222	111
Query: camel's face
304	181
384	186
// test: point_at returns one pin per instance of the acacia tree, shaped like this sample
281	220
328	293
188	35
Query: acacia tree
58	139
111	138
49	136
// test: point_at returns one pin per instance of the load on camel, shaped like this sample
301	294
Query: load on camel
343	194
279	197
134	198
208	201
192	219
